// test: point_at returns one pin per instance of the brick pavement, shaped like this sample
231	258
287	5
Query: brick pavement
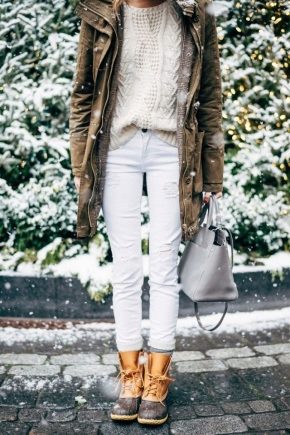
225	384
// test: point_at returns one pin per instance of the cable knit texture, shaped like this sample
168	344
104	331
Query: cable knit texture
147	79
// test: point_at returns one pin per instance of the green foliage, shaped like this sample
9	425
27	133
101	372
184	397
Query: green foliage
277	275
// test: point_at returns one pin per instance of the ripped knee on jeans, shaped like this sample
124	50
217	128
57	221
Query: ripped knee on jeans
171	189
165	247
126	252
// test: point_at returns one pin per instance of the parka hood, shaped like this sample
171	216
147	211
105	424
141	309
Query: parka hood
189	8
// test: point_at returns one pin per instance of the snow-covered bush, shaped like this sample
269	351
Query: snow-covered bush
38	49
253	44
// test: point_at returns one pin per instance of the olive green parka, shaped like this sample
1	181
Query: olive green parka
199	112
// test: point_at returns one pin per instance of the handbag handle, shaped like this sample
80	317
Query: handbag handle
210	206
214	204
217	209
219	224
231	244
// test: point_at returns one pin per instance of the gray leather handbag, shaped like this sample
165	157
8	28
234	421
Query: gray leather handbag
205	268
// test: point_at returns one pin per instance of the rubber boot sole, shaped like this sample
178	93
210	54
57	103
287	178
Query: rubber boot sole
124	417
152	421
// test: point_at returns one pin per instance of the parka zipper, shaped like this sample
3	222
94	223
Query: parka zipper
105	104
185	205
187	111
194	84
183	200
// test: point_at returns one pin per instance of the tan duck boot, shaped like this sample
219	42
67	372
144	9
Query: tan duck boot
153	409
131	378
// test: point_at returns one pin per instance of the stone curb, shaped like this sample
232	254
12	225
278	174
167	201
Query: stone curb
47	297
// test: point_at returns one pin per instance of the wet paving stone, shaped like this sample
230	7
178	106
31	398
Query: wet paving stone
271	382
14	392
208	410
22	358
262	405
286	401
89	370
200	366
135	428
99	393
281	404
78	359
272	432
284	359
14	428
110	358
8	413
59	394
252	362
65	429
227	424
183	412
31	414
268	421
189	388
229	386
187	356
231	352
61	416
273	349
97	415
236	408
41	370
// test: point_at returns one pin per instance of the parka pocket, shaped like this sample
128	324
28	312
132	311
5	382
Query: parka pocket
197	163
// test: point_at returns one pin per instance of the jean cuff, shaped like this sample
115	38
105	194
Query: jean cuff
166	346
129	345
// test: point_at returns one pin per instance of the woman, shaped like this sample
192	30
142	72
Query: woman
146	100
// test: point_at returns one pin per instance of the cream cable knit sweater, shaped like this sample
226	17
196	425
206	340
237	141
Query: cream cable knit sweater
147	79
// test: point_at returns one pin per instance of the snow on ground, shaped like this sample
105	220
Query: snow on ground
234	322
238	322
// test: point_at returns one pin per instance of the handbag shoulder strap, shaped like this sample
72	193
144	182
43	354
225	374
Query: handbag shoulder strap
199	320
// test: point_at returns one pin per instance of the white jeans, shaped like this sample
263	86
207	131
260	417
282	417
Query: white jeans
122	196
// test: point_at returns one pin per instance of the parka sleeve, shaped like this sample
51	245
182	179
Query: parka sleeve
81	97
209	114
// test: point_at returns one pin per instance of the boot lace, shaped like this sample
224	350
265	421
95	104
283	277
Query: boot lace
129	380
154	384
